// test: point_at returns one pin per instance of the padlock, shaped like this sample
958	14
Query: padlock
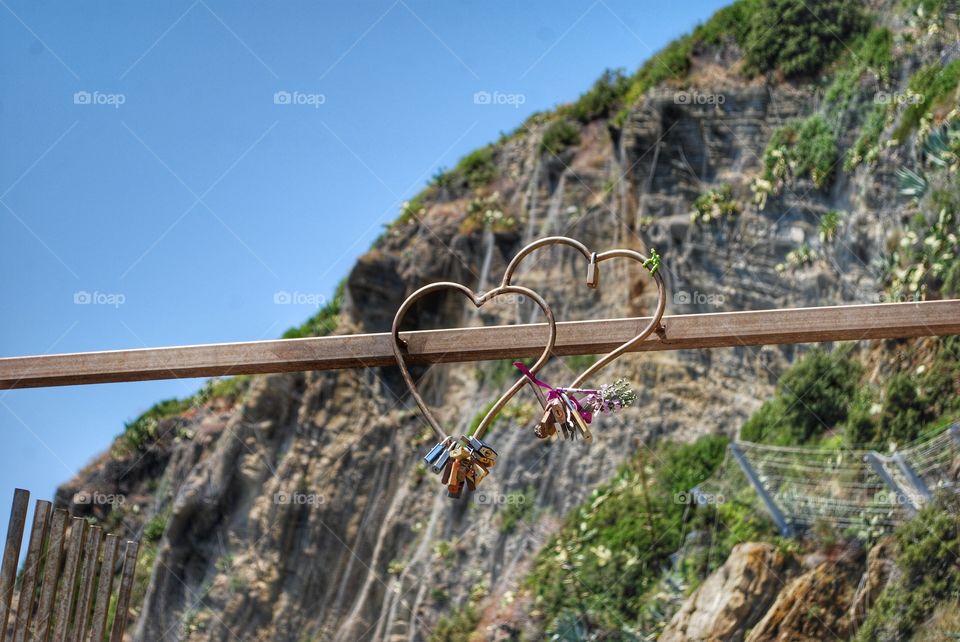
593	272
578	421
481	448
562	415
547	426
435	452
445	475
470	478
441	461
455	483
480	474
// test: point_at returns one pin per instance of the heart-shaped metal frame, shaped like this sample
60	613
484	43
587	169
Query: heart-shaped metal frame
595	259
478	300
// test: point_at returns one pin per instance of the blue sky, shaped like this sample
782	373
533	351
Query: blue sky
156	189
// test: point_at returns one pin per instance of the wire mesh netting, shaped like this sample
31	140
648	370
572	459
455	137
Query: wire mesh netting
847	488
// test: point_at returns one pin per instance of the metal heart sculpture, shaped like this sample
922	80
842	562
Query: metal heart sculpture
593	281
464	463
478	300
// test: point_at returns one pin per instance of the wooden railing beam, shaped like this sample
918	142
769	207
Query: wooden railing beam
692	331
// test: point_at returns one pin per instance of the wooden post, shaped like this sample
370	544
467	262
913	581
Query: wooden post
11	555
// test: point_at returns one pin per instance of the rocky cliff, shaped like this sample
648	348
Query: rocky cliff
295	508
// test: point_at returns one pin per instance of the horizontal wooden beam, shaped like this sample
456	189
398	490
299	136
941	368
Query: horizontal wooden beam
716	330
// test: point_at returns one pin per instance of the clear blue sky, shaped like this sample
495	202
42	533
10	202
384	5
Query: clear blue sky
181	197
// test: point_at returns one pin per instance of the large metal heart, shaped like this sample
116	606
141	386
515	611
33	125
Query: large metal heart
478	300
592	275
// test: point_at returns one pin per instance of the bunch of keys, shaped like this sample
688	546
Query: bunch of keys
461	464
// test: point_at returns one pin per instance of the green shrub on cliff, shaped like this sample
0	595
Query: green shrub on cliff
715	205
602	99
477	168
558	136
798	37
324	321
801	148
928	548
613	548
931	87
813	396
866	148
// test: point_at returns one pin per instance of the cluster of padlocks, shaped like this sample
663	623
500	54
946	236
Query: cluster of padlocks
461	463
562	416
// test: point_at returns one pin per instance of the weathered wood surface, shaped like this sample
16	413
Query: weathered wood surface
722	329
11	555
68	578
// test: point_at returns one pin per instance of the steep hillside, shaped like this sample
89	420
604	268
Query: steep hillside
759	155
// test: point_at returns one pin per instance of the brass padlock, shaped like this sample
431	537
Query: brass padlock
593	272
562	416
547	426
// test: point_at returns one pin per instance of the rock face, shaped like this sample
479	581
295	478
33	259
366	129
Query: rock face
735	597
300	513
812	607
763	595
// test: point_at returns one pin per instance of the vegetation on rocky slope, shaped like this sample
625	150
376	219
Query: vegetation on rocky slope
642	535
636	546
928	548
599	569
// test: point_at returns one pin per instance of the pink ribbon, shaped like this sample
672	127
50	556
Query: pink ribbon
557	393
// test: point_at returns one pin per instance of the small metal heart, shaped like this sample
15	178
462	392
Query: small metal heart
593	280
478	300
